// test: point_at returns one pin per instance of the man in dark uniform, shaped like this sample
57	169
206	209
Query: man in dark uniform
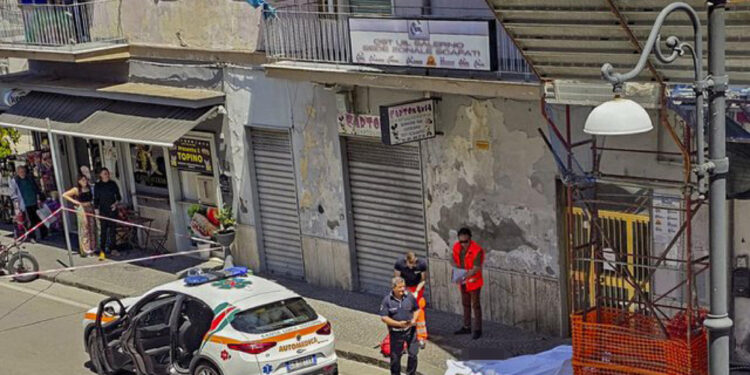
399	311
414	272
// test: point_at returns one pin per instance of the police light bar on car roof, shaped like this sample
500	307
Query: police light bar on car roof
197	276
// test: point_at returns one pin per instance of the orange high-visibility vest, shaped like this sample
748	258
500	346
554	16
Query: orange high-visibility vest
475	281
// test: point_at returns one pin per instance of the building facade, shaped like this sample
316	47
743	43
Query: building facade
294	100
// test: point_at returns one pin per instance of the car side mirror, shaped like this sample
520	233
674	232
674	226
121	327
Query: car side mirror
113	310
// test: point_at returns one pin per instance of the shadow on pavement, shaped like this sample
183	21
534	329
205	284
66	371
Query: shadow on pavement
497	342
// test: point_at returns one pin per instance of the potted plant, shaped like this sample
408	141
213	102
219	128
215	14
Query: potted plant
226	233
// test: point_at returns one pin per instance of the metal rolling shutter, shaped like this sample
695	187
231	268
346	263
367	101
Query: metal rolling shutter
388	209
277	195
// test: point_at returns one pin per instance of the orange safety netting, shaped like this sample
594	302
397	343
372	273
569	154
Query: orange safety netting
620	342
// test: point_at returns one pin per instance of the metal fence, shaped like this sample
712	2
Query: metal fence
52	25
308	36
324	37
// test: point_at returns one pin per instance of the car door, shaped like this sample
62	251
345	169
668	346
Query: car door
148	339
111	321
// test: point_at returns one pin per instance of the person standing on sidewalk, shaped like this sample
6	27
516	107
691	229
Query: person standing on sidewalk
399	312
414	272
468	256
106	197
81	196
26	195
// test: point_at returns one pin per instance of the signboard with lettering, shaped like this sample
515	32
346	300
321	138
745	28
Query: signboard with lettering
360	125
666	218
443	44
191	154
407	122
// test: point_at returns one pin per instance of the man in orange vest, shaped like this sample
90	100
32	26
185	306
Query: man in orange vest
414	271
468	256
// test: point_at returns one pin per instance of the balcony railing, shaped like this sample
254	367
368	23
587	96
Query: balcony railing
308	36
324	37
83	25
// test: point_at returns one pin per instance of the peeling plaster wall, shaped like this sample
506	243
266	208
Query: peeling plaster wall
319	168
504	193
196	24
309	110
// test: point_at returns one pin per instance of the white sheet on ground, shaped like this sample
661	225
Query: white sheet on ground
551	362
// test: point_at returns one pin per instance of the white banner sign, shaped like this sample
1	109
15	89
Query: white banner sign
408	122
362	125
463	45
666	223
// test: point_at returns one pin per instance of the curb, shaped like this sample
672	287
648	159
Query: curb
83	286
376	361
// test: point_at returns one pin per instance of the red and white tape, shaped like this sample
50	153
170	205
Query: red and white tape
23	237
127	223
110	263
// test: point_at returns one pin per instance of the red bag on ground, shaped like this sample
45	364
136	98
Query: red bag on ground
385	346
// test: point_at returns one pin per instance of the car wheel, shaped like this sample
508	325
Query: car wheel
96	360
205	368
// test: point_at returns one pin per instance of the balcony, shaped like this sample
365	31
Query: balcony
81	32
324	38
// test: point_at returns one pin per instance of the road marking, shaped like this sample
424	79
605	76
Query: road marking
45	295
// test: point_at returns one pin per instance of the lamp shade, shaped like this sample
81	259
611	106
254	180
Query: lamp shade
618	117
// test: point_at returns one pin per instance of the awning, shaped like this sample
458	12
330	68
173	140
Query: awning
571	39
105	119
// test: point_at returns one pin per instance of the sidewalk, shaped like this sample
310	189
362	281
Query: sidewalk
353	315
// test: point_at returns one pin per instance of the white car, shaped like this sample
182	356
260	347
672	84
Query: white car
227	323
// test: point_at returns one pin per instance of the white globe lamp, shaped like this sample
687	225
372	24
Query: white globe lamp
618	117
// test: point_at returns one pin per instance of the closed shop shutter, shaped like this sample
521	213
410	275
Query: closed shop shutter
370	6
387	209
277	196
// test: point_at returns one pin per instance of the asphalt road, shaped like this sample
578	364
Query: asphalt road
41	331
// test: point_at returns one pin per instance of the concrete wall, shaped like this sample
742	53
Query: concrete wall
196	24
309	110
505	192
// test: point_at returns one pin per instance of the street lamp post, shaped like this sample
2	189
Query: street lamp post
607	119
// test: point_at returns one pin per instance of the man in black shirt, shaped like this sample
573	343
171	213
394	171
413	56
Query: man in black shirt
106	197
414	272
399	312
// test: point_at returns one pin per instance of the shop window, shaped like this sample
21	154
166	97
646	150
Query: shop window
149	171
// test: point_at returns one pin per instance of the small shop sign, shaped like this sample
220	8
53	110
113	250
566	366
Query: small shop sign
408	122
191	154
359	125
442	44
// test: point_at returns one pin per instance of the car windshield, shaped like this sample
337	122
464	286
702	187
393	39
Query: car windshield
274	316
